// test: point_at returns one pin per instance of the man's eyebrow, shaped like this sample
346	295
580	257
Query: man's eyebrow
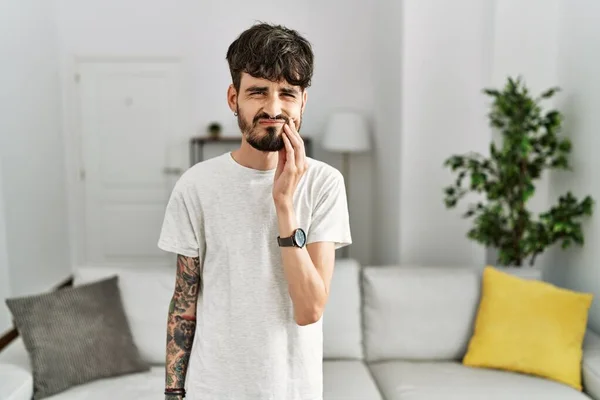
257	89
289	90
263	89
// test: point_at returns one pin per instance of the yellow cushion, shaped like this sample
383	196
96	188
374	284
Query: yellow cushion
529	326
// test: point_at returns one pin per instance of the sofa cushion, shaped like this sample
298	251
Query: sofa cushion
16	354
146	385
15	357
406	380
342	380
520	326
419	313
76	335
146	292
348	380
16	383
591	364
342	331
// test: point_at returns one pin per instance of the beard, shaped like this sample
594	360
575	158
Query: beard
263	138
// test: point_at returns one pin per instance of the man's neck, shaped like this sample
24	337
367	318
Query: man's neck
249	157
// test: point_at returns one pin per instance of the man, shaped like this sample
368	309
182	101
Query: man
255	231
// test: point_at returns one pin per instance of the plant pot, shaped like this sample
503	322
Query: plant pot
214	130
526	271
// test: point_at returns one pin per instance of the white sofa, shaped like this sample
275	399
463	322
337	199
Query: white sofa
390	333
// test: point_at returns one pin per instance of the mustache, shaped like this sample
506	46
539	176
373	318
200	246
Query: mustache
266	116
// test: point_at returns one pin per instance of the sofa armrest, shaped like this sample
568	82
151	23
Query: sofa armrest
591	365
15	383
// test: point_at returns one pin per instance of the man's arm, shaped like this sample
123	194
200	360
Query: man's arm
181	323
308	271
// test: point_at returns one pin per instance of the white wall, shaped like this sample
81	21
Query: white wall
432	68
446	61
387	76
31	148
578	66
199	32
5	318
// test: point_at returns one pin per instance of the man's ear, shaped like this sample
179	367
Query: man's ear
232	98
304	98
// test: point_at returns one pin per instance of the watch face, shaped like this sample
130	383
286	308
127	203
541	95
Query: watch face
300	237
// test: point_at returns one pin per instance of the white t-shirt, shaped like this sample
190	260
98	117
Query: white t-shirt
247	345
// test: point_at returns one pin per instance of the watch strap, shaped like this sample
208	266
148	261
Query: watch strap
286	241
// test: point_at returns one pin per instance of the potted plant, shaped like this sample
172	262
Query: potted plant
505	180
214	130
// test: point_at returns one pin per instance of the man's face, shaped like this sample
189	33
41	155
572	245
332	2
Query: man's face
263	108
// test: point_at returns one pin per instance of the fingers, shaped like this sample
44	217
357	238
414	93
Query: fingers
289	150
292	126
280	162
297	143
298	159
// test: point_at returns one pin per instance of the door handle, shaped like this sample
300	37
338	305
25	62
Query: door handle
172	171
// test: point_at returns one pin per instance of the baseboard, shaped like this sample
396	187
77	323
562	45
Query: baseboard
12	334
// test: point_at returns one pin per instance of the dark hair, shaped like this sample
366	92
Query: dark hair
271	52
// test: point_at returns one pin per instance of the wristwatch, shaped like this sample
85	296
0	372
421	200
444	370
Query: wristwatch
297	239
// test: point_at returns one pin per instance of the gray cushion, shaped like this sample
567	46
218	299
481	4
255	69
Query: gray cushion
591	364
419	313
76	335
405	380
342	323
348	380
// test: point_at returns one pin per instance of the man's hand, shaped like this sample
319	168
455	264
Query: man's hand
291	166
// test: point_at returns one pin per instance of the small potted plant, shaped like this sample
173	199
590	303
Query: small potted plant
530	144
214	130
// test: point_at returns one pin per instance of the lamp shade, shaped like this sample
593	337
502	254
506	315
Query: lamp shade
346	131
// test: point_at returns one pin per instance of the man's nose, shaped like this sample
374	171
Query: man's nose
273	106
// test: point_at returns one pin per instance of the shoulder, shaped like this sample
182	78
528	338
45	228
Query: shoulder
200	175
322	181
321	173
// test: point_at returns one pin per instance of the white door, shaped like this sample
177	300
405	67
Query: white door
130	118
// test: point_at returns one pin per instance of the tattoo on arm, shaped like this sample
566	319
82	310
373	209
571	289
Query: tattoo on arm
181	325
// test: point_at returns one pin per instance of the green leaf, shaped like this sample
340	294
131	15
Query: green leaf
549	93
560	162
469	213
477	179
565	145
492	92
450	203
525	145
528	192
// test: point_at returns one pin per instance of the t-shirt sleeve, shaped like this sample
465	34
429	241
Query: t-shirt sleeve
330	220
182	231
